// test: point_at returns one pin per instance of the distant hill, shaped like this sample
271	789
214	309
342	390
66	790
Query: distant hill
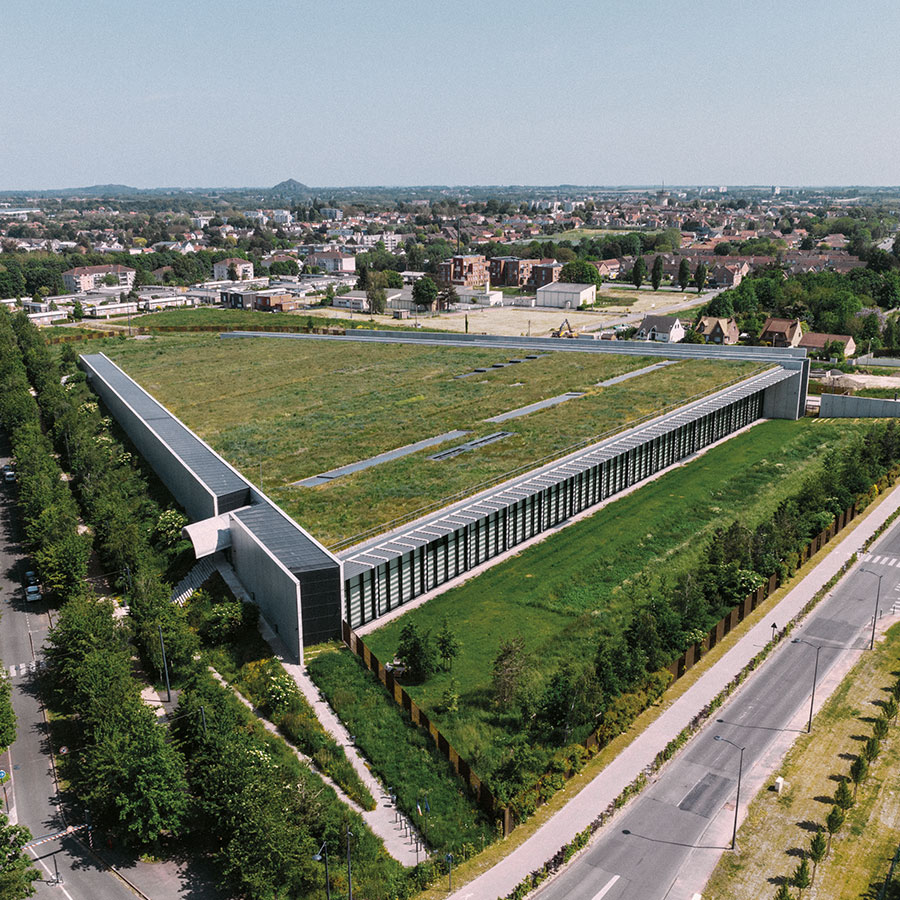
290	188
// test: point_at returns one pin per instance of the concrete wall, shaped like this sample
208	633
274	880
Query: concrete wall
787	400
270	585
197	499
838	406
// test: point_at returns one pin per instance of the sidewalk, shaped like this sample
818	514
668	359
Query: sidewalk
599	793
400	838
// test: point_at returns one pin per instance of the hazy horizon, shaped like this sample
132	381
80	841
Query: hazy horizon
470	94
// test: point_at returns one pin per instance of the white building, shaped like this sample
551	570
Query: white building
563	295
332	261
86	278
485	297
282	217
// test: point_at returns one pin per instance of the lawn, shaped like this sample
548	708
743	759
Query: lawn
285	410
235	318
559	594
777	827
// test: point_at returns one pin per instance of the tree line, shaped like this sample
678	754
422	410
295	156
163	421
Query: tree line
555	712
156	790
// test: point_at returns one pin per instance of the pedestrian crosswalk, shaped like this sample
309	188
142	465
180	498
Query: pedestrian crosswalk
20	670
877	560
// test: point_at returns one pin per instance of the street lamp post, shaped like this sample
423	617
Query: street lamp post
318	858
812	698
774	626
877	604
349	872
737	802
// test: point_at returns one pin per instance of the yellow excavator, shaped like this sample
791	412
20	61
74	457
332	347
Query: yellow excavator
564	331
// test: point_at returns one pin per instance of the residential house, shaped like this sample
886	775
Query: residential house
86	278
781	332
668	329
717	330
817	343
242	268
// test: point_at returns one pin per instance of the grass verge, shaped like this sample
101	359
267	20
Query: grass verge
236	650
561	593
778	828
427	789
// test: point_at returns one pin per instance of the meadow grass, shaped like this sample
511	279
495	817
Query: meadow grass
561	593
292	409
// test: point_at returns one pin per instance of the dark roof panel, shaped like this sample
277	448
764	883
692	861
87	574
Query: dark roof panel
287	543
220	478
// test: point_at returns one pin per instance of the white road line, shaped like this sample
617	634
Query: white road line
46	868
607	887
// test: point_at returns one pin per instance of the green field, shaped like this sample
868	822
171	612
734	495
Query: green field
560	594
287	410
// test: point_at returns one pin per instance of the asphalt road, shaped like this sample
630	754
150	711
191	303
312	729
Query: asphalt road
644	852
31	792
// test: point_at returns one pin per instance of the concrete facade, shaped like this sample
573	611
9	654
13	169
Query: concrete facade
840	406
292	578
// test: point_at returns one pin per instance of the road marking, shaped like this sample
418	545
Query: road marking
607	887
26	668
46	868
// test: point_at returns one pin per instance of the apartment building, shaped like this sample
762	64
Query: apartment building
86	278
466	270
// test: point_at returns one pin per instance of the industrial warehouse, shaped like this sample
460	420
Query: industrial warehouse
305	591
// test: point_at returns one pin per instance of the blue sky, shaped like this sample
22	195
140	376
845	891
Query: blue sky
226	93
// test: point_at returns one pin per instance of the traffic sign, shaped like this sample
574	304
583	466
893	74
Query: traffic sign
2	774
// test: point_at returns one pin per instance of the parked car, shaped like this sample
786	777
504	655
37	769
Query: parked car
9	475
31	578
33	593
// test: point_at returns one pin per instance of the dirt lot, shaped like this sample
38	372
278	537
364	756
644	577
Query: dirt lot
516	320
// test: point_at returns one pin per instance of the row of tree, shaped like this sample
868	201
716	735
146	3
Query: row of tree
844	799
825	301
667	616
271	813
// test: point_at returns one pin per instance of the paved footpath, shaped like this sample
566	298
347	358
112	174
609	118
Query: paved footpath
400	838
602	790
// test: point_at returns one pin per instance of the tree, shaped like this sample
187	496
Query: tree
416	652
509	670
447	296
801	878
833	822
7	714
656	274
424	292
684	273
783	892
817	849
700	276
890	709
859	771
639	272
871	749
843	797
580	271
880	727
447	644
77	310
232	272
375	291
17	874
